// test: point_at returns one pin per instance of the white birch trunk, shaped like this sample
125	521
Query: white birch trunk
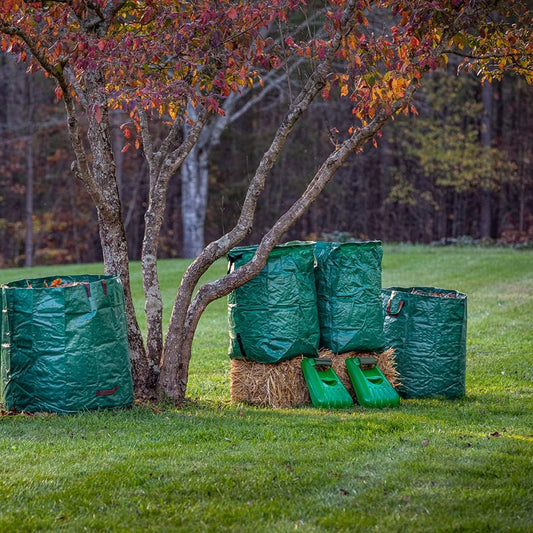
194	187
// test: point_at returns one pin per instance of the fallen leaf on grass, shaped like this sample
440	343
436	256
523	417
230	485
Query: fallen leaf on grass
15	412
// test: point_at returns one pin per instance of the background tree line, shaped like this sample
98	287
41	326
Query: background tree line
463	168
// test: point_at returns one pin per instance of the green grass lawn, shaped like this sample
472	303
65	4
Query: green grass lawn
429	465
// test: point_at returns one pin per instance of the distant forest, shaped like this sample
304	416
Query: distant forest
461	170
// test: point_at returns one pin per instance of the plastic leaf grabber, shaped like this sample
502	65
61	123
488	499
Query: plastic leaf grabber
371	386
325	387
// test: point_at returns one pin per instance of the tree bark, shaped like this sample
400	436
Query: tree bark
100	182
153	306
162	165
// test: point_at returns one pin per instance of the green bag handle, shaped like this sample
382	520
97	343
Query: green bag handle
391	311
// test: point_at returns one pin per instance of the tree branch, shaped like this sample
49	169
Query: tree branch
146	136
56	71
175	159
223	286
487	56
271	84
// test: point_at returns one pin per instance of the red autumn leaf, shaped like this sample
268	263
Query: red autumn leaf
146	17
98	115
232	13
7	5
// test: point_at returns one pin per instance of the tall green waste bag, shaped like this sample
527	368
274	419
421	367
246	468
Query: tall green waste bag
65	345
426	326
348	281
273	317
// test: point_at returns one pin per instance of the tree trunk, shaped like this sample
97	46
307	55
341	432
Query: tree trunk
194	185
486	139
162	165
115	256
195	178
100	181
153	301
28	248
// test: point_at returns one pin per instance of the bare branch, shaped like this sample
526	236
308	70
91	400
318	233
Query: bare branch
483	57
148	146
269	86
168	142
176	158
56	71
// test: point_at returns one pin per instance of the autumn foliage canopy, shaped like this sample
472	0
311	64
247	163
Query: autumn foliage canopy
157	54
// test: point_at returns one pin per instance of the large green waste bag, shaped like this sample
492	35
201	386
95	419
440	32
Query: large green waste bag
65	348
427	328
274	316
348	281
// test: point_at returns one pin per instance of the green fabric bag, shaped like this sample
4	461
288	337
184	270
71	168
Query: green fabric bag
65	348
273	317
427	328
348	280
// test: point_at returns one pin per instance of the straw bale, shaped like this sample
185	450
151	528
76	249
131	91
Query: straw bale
283	385
269	385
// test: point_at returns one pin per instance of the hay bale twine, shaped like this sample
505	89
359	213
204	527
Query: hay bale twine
283	385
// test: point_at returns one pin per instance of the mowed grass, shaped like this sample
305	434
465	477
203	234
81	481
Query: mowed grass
429	465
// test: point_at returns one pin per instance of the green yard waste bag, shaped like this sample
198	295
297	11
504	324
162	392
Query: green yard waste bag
273	317
65	345
348	281
426	327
